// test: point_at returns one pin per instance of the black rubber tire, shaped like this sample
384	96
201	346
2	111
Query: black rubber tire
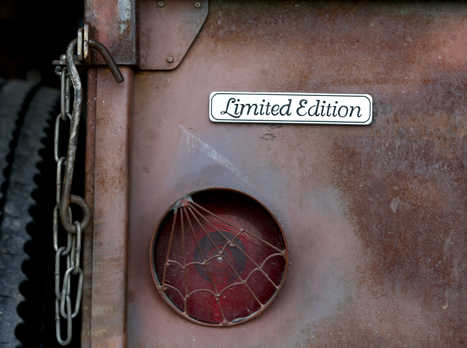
13	96
25	114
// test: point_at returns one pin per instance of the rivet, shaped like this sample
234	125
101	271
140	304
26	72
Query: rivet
161	3
170	59
197	4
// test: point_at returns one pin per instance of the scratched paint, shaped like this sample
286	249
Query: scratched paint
194	143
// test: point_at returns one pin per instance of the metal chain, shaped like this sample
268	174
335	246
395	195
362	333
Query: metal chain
67	232
69	283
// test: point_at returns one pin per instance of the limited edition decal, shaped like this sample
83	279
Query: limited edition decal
300	108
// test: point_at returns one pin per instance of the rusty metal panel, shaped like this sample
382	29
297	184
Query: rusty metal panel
166	31
113	23
89	184
109	262
374	217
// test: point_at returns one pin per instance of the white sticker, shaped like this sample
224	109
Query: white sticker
299	108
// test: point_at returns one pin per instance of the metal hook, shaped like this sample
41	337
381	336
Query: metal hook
67	198
108	59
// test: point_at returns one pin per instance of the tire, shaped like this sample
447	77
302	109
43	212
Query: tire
25	115
13	96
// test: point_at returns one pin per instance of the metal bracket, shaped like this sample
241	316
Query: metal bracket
83	44
166	31
82	57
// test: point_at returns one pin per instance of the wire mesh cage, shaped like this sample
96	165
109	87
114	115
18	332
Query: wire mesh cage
219	257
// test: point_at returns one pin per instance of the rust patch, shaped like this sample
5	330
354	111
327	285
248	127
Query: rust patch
374	216
109	263
340	44
113	23
165	33
404	182
88	242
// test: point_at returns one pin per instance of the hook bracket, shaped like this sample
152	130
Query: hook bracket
82	57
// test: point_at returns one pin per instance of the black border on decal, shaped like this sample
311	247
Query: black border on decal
367	122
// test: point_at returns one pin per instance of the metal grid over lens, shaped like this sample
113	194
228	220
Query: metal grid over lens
219	257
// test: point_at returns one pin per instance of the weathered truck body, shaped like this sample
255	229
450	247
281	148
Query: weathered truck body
374	216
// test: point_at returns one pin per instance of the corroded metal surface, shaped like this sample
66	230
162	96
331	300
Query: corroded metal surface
113	23
375	217
89	197
154	35
166	30
112	112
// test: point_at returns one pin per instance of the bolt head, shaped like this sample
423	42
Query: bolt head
161	3
197	4
170	59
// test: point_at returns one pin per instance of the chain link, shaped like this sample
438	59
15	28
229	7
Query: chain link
69	284
70	252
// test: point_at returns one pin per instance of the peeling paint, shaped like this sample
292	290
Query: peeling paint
124	14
